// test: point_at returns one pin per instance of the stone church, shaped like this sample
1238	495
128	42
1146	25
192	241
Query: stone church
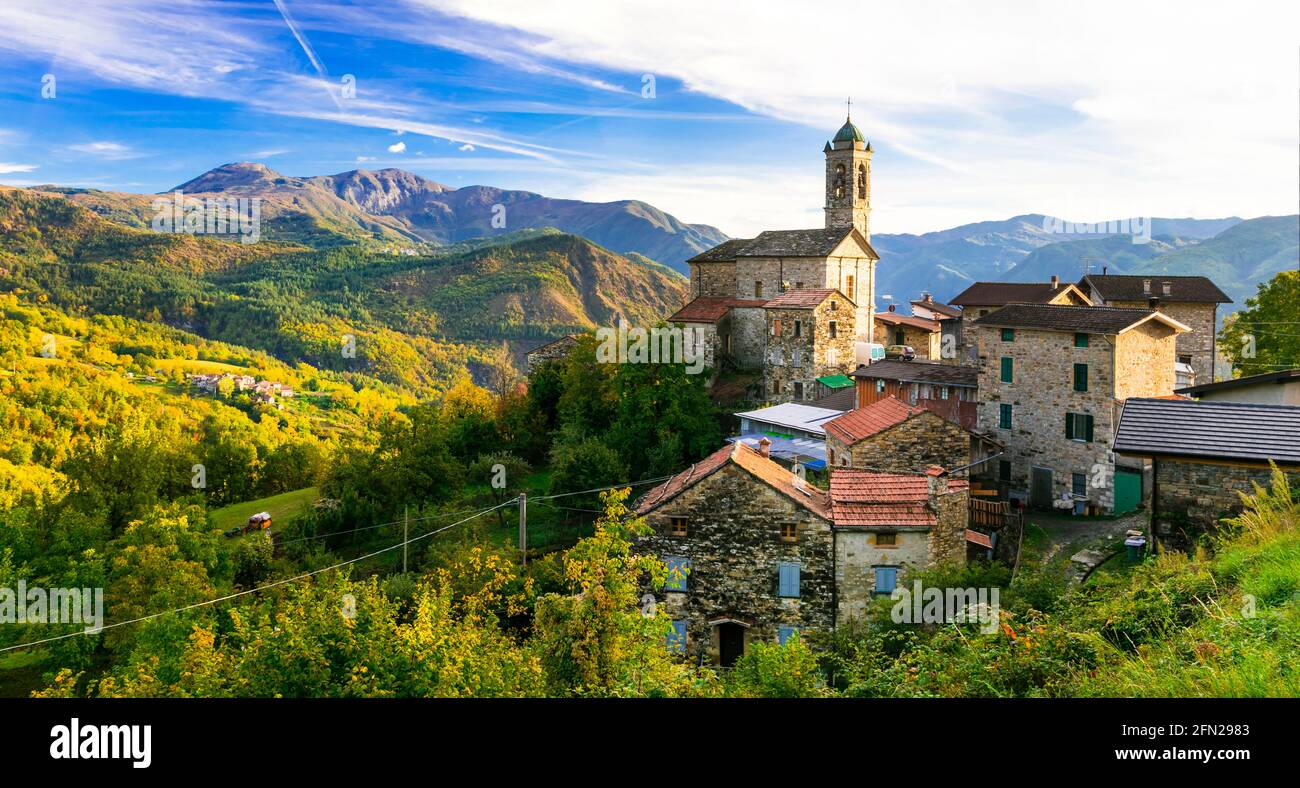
792	302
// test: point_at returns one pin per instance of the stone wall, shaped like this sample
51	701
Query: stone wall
1144	361
747	327
816	352
552	351
1191	497
714	279
1041	394
857	555
924	439
1197	343
734	544
925	343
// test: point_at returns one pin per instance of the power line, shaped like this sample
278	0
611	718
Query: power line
237	594
603	489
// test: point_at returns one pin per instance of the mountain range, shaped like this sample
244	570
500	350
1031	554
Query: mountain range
400	208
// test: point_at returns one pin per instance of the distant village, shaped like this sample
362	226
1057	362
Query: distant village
266	392
936	429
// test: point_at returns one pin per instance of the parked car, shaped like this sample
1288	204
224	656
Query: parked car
904	352
232	532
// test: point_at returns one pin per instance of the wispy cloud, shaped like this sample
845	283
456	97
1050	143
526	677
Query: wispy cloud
7	167
106	150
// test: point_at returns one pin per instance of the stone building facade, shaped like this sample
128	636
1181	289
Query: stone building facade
742	522
1052	381
551	351
1191	300
889	435
809	335
890	526
920	334
983	298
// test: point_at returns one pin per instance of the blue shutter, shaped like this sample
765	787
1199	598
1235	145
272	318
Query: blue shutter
677	640
783	634
678	569
788	576
886	579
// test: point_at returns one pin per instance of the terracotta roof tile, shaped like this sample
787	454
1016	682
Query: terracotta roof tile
808	298
866	421
893	318
867	498
815	500
711	309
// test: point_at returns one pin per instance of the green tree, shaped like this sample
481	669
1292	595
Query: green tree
1265	336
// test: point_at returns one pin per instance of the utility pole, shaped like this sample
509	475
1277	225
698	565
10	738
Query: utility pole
406	526
523	526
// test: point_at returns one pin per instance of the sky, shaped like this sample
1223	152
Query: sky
716	112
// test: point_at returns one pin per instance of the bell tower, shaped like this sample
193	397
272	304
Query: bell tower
848	179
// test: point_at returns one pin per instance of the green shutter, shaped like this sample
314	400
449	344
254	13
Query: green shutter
1080	377
1008	335
1004	416
1087	426
1069	426
1080	340
1007	363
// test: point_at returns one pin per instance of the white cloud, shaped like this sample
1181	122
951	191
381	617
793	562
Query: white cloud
365	158
397	147
466	148
105	150
6	167
975	110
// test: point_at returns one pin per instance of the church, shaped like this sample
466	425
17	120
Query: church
793	303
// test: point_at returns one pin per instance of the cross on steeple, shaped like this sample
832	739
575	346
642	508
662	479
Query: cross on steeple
848	107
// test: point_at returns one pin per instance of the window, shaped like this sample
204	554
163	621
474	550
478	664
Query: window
1007	369
678	570
777	359
832	355
1080	377
886	579
880	387
798	285
983	312
798	328
790	531
848	286
676	526
1080	340
834	306
776	327
833	329
1185	360
784	633
899	337
1078	427
758	289
798	389
1004	470
943	392
677	640
1004	416
887	539
776	387
787	579
1008	335
1079	484
830	455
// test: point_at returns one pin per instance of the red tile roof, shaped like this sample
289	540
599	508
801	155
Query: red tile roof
975	537
867	498
764	469
808	298
711	309
867	421
893	318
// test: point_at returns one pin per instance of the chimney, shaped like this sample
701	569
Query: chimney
1165	287
1056	282
1146	287
926	298
765	447
937	481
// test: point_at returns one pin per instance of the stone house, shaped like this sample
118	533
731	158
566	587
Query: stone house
982	298
1191	300
946	389
890	525
929	309
1270	388
1052	379
889	435
551	351
755	553
731	329
1203	454
919	333
756	545
809	335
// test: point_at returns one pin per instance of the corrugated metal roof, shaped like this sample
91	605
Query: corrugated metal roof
793	415
1210	430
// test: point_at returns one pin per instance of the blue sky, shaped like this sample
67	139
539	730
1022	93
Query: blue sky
974	114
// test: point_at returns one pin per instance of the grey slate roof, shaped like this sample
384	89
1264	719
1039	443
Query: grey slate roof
999	293
723	252
919	372
1062	317
1210	430
1285	376
1181	288
797	243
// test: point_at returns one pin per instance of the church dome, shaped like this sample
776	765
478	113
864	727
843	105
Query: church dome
849	133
